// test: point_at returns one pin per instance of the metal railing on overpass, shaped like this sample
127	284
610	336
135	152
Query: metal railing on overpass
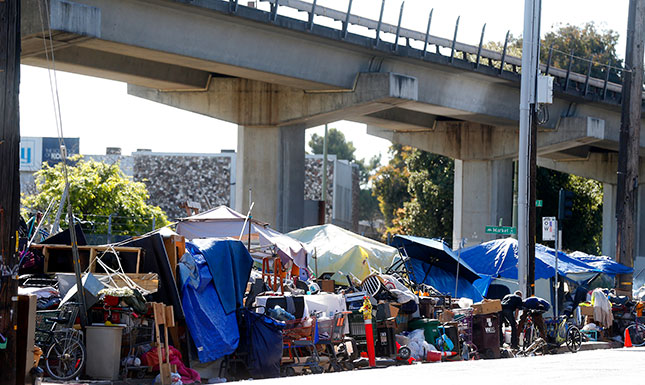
478	58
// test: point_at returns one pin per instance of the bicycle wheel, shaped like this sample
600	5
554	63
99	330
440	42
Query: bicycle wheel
574	339
65	358
637	334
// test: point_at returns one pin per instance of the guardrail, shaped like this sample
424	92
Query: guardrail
477	55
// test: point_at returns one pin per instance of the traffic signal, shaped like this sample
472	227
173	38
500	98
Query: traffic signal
565	205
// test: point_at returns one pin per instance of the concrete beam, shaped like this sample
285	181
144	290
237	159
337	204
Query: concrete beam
132	70
474	141
258	104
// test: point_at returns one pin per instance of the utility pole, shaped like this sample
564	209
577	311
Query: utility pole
629	145
530	53
9	182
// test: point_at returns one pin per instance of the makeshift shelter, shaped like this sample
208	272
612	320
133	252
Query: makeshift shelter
433	263
213	276
497	261
337	249
223	222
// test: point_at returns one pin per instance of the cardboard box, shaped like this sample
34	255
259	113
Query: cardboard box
446	316
326	285
401	323
385	310
487	306
586	310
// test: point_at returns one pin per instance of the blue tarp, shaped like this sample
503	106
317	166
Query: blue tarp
605	264
261	339
435	253
230	265
498	258
214	330
422	272
432	262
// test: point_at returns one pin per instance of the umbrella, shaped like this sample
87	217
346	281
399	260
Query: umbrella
434	253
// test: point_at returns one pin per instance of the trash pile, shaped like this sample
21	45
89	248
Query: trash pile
226	297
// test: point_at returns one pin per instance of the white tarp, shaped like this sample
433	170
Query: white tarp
337	249
222	222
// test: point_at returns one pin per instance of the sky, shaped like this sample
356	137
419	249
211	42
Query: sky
102	114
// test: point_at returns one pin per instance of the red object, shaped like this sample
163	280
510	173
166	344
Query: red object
188	376
369	334
628	339
109	300
436	356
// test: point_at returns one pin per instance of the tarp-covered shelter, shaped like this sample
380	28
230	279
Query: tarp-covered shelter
433	263
223	222
603	263
337	249
213	277
498	258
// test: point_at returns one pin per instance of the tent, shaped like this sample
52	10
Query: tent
222	222
498	258
337	249
432	262
603	263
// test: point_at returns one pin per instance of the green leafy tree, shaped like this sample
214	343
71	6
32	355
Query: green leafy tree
584	231
97	190
429	212
390	186
336	144
586	42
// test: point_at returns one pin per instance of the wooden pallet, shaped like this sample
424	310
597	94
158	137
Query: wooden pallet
92	250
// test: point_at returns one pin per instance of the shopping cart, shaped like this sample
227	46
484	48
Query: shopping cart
299	339
464	318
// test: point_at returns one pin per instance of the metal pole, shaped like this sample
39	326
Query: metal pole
461	245
63	199
529	69
324	176
557	240
109	229
250	217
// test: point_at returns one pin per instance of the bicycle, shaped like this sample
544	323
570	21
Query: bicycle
63	346
563	331
636	332
531	344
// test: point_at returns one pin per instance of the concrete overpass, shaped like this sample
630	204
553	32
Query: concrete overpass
275	75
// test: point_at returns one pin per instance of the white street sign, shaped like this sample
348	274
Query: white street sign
548	228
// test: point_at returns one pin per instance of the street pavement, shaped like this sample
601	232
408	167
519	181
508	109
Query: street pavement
607	366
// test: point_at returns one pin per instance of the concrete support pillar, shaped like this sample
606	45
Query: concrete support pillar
483	194
271	161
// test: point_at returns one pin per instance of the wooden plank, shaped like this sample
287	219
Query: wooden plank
91	262
170	316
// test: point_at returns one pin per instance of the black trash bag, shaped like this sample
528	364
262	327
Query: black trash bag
261	340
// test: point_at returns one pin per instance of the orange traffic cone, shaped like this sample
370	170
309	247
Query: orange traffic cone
628	339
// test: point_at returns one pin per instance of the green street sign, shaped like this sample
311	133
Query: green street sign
538	203
504	230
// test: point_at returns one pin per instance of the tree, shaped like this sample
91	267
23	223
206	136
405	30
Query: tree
415	193
97	190
336	144
585	231
391	185
429	212
586	42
